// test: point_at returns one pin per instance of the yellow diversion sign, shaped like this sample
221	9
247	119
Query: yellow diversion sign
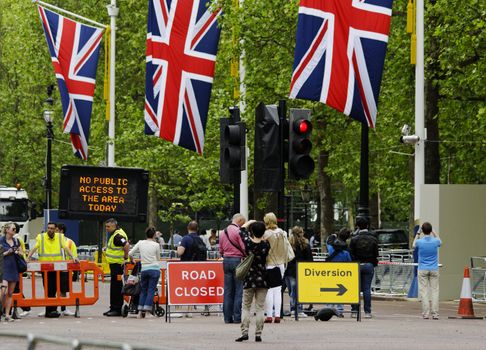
328	282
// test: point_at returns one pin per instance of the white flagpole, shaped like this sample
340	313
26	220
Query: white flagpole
113	13
72	14
419	112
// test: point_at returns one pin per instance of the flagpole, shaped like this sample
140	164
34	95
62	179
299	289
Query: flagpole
419	112
72	14
113	13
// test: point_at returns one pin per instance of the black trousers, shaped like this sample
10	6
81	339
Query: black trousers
51	288
17	290
116	284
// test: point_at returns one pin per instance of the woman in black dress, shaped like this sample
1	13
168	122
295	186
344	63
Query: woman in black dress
255	286
11	246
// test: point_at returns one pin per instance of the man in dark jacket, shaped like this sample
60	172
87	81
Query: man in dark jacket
364	249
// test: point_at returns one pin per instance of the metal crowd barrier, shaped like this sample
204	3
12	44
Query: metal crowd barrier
394	273
75	344
478	278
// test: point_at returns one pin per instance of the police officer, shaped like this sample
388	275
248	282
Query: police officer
116	254
50	245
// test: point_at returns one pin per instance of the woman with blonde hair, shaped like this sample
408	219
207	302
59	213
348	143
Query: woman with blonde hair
11	246
303	252
277	257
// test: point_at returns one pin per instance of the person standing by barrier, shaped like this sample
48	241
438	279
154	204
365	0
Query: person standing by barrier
50	246
428	270
149	256
254	285
64	275
116	254
232	249
26	309
302	251
364	249
277	257
11	246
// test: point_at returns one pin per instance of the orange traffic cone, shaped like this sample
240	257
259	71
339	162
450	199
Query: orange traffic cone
466	309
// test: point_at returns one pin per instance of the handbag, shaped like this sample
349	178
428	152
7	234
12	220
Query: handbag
273	277
131	289
290	250
21	263
244	266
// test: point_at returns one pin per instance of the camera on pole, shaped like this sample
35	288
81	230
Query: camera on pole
301	165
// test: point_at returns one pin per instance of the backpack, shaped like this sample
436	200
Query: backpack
199	249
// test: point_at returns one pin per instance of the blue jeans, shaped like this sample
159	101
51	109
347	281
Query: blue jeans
291	284
148	286
233	291
366	272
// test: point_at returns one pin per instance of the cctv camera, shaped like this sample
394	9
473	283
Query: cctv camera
406	130
410	139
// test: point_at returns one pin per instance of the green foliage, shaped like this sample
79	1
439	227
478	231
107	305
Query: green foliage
263	33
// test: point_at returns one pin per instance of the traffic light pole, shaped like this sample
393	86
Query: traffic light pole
363	209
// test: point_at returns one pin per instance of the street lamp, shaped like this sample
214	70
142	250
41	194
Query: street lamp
306	194
48	118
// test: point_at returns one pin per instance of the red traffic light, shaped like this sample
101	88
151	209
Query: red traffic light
302	126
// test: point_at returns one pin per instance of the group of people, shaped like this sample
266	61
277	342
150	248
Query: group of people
51	245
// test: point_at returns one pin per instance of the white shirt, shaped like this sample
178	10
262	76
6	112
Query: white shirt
149	254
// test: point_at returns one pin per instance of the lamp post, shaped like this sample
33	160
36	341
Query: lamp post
48	118
305	193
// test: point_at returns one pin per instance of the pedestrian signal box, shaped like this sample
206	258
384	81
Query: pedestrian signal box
99	193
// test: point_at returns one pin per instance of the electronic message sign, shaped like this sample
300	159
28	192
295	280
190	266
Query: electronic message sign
99	193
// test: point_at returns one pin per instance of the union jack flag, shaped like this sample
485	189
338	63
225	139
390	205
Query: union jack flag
182	42
339	55
74	49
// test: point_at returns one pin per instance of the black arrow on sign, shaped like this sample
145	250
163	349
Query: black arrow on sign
341	289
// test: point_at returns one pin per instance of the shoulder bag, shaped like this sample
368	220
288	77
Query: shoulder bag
19	259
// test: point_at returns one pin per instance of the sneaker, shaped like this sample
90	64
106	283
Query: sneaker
354	314
67	312
268	320
368	315
302	315
24	313
435	317
42	314
276	320
9	319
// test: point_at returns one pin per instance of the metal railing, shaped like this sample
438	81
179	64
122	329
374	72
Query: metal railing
75	344
478	278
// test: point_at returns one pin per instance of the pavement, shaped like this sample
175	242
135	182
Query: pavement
396	324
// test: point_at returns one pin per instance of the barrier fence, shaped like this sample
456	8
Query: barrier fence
33	340
81	295
478	278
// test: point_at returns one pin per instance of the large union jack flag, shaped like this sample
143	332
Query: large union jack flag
74	49
182	42
339	54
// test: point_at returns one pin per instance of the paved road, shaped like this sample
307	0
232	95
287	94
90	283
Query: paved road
395	325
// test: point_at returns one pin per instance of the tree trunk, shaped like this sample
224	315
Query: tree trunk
325	195
432	159
152	207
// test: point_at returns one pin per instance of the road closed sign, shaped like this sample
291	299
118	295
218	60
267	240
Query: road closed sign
195	283
328	282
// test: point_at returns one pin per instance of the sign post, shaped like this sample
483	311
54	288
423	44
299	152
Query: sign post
328	283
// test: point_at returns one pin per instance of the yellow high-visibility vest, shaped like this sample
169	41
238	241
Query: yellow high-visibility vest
50	249
114	254
72	246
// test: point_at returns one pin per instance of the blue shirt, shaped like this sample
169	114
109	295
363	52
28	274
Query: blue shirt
428	253
343	255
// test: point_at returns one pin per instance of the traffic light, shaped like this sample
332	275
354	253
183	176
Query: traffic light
232	147
267	155
301	165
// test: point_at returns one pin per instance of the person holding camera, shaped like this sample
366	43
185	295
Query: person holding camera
428	270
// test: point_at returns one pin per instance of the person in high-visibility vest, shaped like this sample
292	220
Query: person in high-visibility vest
116	254
49	246
64	283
